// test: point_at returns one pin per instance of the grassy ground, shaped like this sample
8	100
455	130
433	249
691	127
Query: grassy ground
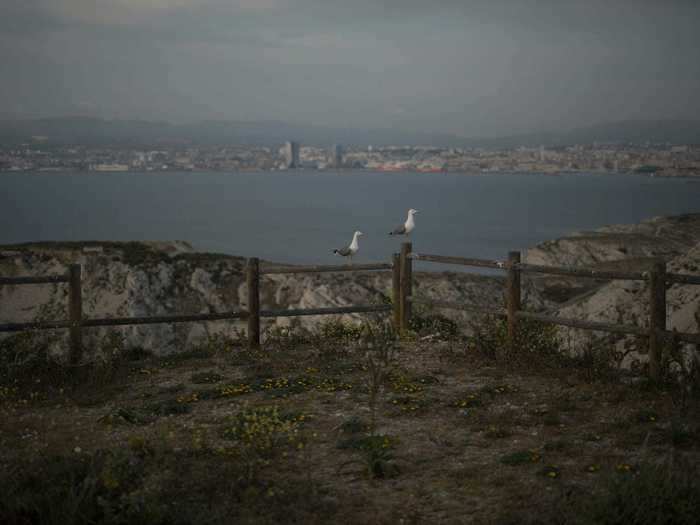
335	430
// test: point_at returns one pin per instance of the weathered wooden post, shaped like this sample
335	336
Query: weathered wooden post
75	313
396	290
657	317
513	298
253	278
406	281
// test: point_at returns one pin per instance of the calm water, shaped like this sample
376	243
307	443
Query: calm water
301	217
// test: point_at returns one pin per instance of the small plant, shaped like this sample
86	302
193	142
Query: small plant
338	331
354	425
377	456
409	404
467	400
260	433
200	378
497	432
434	326
379	341
597	360
551	419
645	416
376	374
28	355
521	457
106	487
262	428
534	339
550	471
557	446
499	389
286	337
681	433
124	416
653	494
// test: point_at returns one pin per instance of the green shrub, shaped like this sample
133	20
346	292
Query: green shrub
336	330
652	495
597	360
431	324
26	357
521	457
104	488
286	337
263	429
533	339
376	453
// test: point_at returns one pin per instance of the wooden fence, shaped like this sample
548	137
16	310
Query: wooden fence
76	321
401	266
657	277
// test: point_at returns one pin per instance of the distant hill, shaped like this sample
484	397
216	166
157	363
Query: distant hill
96	131
622	132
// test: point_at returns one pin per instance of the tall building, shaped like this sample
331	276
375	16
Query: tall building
337	156
291	155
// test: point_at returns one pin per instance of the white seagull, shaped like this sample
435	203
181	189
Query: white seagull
408	226
350	250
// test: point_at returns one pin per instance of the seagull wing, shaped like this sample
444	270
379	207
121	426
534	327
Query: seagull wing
344	251
400	230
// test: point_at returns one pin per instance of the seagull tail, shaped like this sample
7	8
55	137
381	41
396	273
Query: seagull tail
335	251
391	233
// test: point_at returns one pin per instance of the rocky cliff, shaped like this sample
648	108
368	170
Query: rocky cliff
146	279
168	278
676	240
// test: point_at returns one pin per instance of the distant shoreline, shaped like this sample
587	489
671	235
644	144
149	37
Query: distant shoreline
695	176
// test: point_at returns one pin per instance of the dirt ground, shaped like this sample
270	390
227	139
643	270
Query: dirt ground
429	433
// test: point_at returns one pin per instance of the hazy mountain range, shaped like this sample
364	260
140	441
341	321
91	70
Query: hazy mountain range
97	131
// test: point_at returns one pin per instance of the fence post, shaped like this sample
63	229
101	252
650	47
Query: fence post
657	317
406	281
253	278
513	298
75	313
396	290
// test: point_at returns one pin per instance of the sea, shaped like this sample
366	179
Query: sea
299	217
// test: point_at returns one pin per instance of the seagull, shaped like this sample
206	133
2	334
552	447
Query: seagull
406	227
350	250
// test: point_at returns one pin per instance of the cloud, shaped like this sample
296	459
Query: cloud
470	66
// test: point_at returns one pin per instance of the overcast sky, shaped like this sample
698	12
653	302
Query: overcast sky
473	67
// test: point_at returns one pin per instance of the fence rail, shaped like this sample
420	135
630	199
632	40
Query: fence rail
47	279
401	266
325	269
463	261
164	319
35	325
327	311
681	278
582	272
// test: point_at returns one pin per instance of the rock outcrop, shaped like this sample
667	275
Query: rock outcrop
625	247
149	279
170	278
676	240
